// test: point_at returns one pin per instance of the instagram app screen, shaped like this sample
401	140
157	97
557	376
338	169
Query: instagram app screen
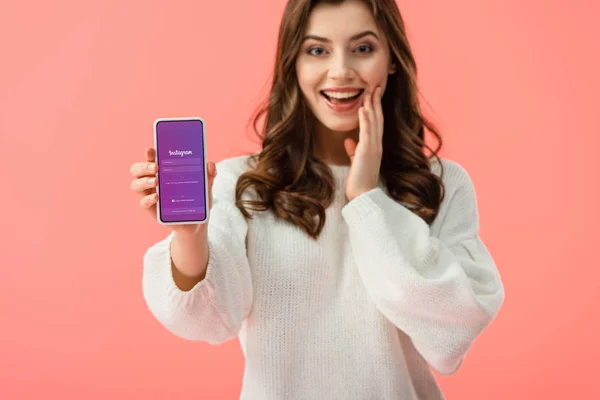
181	166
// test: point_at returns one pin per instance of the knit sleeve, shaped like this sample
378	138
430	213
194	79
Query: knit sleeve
442	290
214	309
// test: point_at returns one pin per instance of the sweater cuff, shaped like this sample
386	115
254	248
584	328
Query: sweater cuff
363	206
208	277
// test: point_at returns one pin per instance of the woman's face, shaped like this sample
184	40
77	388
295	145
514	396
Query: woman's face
343	56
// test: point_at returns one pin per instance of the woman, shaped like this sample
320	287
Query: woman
347	261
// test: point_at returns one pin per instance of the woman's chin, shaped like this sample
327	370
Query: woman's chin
341	125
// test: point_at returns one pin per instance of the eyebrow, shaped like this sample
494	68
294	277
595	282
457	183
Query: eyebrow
355	37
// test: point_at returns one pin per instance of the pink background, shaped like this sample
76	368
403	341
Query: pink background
512	85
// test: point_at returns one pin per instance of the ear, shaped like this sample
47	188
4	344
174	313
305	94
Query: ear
392	68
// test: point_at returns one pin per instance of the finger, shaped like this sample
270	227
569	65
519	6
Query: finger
148	201
367	103
142	169
370	114
373	133
142	185
363	125
378	111
350	146
211	170
150	154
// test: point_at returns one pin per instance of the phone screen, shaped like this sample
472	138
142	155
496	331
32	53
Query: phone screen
181	175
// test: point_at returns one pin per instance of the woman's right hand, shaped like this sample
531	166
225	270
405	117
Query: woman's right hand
145	182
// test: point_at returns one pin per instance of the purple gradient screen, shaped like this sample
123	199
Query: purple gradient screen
181	170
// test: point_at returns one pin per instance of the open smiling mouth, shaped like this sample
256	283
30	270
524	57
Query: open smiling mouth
342	98
343	102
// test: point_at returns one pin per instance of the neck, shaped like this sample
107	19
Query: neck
329	144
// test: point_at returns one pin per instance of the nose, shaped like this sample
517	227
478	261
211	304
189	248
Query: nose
340	68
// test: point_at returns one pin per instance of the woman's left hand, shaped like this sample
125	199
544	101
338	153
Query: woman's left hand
365	157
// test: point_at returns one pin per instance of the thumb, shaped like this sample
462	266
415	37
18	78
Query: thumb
350	146
211	170
150	154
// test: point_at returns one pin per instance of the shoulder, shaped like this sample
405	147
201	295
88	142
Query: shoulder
454	175
459	190
234	166
228	172
459	205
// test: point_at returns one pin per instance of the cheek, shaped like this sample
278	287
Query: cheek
308	78
376	73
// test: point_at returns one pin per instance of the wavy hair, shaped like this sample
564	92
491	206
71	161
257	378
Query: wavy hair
286	176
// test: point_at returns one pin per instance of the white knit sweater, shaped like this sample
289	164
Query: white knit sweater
360	314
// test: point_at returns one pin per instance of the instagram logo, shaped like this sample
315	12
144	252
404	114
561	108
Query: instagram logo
180	153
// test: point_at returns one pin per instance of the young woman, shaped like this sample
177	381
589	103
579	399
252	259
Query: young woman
346	260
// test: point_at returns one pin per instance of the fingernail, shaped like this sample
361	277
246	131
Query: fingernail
151	181
151	166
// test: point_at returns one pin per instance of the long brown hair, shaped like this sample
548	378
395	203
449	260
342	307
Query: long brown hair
296	186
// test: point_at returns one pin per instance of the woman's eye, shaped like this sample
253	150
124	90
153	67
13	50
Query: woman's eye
315	51
365	48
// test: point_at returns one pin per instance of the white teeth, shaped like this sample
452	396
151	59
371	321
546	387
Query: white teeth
341	95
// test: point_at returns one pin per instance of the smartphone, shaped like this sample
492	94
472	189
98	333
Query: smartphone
182	179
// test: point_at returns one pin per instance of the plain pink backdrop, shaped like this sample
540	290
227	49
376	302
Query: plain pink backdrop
512	85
